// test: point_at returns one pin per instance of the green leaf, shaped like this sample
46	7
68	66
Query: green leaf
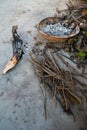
82	54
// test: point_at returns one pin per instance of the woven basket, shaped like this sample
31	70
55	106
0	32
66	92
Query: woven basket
52	38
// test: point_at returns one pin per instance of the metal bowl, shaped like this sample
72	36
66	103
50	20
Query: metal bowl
53	38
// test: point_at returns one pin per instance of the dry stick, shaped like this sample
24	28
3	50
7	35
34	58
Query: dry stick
56	65
45	100
68	58
69	76
37	63
66	107
45	108
42	66
47	70
68	93
60	88
33	58
76	20
53	61
61	73
54	94
49	65
81	16
72	85
66	103
44	95
72	93
58	68
39	75
53	89
51	73
69	110
74	98
69	88
62	81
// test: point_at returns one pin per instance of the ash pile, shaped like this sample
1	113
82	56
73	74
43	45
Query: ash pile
58	29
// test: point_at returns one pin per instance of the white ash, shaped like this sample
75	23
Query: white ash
57	29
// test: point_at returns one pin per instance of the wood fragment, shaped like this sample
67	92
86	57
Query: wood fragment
17	51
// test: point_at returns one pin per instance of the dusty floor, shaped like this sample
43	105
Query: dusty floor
21	100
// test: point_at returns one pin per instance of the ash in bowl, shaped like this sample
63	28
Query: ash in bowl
58	29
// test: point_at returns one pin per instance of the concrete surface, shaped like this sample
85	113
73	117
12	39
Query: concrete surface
21	99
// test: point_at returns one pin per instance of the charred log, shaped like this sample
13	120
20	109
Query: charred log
17	44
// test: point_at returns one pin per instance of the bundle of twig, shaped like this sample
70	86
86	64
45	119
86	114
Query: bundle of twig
60	81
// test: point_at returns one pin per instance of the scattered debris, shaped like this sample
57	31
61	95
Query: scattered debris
17	50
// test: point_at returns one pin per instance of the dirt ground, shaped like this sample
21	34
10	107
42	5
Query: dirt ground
21	99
